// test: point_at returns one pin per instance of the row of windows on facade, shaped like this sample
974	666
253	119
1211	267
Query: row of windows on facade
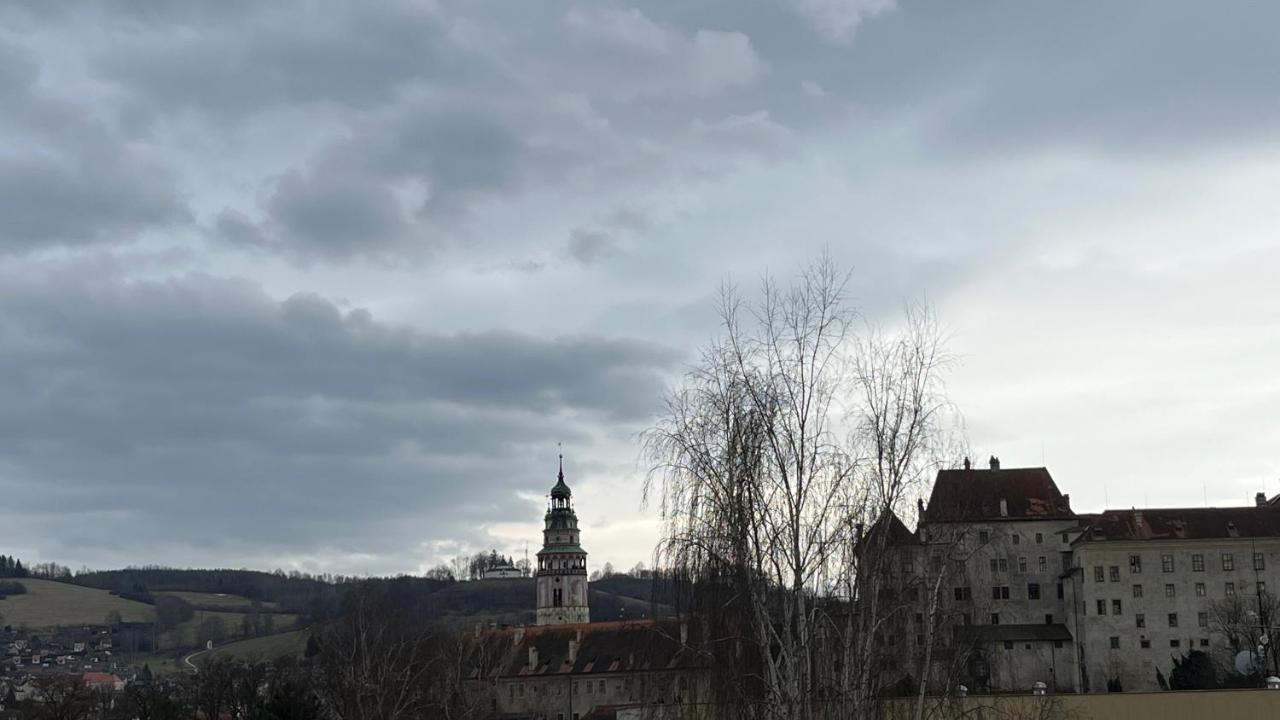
999	565
1229	590
561	563
967	619
1001	592
1168	565
984	537
1146	642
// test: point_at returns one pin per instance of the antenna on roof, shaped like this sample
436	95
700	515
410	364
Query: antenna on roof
1106	499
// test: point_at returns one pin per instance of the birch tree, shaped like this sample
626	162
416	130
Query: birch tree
779	467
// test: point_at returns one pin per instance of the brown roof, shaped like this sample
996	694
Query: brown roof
618	646
967	495
1185	524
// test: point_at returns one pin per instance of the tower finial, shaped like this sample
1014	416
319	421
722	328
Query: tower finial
560	477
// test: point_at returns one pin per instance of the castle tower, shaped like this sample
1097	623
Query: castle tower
562	563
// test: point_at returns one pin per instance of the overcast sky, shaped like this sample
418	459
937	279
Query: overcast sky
320	285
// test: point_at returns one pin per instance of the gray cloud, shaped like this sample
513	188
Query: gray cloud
513	189
283	421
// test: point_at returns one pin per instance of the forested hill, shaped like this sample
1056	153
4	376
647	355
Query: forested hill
292	592
509	601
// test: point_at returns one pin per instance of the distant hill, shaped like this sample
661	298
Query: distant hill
289	593
48	603
265	648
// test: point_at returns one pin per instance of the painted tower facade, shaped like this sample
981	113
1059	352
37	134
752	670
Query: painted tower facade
562	563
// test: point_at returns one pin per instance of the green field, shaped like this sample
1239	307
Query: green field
217	600
192	633
267	647
49	604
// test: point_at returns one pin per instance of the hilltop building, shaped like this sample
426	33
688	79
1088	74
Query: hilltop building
562	563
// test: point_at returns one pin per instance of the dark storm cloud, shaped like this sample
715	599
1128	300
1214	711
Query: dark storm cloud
282	420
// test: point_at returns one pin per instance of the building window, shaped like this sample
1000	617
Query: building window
919	618
1008	644
1060	592
1022	564
919	640
1115	642
1144	643
1173	620
1170	590
1204	642
1228	562
1175	643
1115	573
1166	563
1197	563
1200	590
1033	591
1048	618
964	594
1102	607
1116	607
1013	538
995	618
1042	564
1057	644
1230	589
984	537
999	592
1099	575
1140	620
995	565
1259	561
1004	564
1137	591
1039	538
1135	564
1202	619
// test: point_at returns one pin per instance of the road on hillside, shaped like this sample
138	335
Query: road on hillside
192	665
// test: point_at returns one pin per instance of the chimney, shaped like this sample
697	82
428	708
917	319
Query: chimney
533	657
995	462
573	651
1260	499
478	626
966	462
1066	500
1004	507
1137	519
518	635
919	508
684	633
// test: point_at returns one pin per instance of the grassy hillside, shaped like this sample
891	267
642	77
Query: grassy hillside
267	647
193	632
49	604
217	601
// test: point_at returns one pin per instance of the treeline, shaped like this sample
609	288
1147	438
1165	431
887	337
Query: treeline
308	595
11	567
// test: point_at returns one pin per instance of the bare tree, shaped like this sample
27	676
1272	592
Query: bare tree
1243	621
792	435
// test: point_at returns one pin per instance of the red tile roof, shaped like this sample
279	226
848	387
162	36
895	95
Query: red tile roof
1184	524
968	495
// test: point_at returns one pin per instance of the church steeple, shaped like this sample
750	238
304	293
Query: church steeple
562	563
